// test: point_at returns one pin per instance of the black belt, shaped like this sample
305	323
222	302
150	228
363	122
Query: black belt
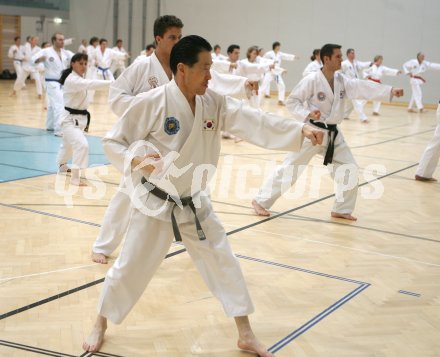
51	80
80	112
332	128
186	201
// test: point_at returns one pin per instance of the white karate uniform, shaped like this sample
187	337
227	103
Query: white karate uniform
35	70
117	66
352	70
54	64
313	92
17	54
103	62
74	141
253	71
82	49
275	74
431	155
149	237
216	57
140	78
224	66
415	68
313	66
375	74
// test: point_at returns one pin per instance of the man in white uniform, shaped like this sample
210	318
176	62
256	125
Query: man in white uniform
414	68
55	60
319	99
431	155
276	74
183	117
118	65
352	68
103	57
140	77
217	53
16	53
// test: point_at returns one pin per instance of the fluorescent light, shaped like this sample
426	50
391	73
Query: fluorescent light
57	20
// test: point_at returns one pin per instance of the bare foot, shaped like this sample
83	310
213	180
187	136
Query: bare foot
344	216
412	111
39	96
237	139
376	113
280	102
260	210
94	341
365	121
267	96
251	344
13	93
99	258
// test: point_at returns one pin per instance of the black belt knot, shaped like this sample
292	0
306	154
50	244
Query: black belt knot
80	112
333	132
186	201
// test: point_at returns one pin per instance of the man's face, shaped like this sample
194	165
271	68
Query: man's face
217	50
351	55
34	41
234	55
18	41
59	41
277	49
103	45
421	57
171	36
196	77
119	44
334	63
253	56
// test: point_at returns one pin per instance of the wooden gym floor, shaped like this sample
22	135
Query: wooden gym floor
321	286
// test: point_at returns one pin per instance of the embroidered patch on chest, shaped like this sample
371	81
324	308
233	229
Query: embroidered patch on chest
321	96
209	124
153	81
341	94
171	126
51	59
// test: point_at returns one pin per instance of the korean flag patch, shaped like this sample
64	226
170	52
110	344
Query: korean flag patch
171	126
209	124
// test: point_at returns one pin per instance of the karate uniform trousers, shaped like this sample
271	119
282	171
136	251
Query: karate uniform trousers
431	155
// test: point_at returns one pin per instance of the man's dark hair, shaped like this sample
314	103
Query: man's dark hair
187	51
102	40
150	46
93	40
16	38
327	50
163	23
275	44
350	50
216	47
118	41
231	48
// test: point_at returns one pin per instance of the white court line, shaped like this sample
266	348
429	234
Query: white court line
343	247
4	280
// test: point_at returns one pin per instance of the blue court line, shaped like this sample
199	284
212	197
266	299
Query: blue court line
409	293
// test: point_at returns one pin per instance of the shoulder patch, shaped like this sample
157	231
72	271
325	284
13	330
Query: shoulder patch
171	126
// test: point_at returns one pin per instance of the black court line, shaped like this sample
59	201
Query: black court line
389	140
27	168
313	202
71	291
50	214
67	292
33	349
